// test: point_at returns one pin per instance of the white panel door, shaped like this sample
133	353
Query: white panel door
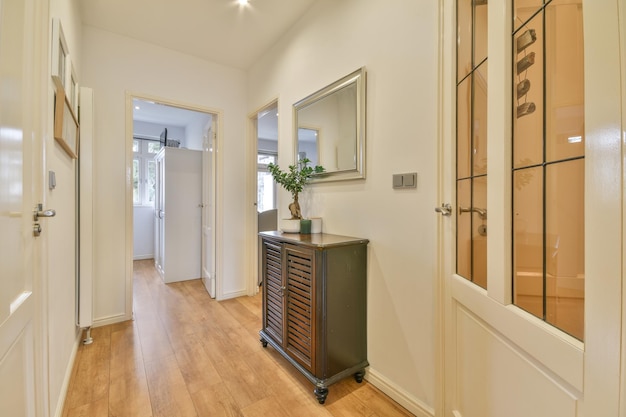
498	360
208	209
20	184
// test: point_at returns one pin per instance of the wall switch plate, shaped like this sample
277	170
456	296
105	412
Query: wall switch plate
405	180
52	180
397	180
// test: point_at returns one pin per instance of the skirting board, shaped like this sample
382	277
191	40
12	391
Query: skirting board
400	396
68	375
103	321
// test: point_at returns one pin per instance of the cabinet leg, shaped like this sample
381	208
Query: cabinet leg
321	394
263	342
358	377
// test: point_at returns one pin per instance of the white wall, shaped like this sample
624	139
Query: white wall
62	333
114	65
396	40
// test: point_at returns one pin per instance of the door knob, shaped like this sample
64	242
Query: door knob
38	212
445	209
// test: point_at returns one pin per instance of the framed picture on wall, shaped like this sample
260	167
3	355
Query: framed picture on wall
60	53
65	124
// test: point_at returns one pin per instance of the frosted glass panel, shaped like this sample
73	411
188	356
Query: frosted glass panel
463	126
523	10
464	38
464	230
565	111
480	32
565	251
528	94
480	120
528	239
479	231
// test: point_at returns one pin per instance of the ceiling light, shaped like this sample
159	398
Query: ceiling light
137	107
242	2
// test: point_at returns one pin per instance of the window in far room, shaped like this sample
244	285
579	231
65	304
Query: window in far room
266	188
144	171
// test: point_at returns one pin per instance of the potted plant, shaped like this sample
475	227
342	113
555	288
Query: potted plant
294	181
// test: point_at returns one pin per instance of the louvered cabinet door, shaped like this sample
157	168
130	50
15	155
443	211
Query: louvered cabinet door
274	291
300	311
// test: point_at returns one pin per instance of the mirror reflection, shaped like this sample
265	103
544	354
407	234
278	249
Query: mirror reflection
330	128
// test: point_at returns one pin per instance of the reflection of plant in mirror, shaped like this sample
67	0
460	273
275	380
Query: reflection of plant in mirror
294	181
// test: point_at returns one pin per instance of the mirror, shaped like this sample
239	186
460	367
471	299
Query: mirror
330	129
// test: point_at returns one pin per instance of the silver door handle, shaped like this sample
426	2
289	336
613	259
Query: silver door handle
482	213
38	212
445	209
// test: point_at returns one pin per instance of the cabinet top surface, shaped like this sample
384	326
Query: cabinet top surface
314	239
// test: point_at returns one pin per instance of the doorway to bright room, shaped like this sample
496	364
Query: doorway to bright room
174	190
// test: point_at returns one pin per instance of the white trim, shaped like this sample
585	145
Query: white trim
399	395
217	116
143	257
252	248
234	294
112	319
68	375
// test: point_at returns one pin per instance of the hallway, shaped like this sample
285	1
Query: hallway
188	355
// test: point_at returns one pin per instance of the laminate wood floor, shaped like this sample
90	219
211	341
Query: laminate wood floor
185	354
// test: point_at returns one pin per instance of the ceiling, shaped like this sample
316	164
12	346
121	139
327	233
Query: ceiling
220	31
162	114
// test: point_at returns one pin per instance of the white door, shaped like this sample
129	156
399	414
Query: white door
499	359
20	187
208	208
159	215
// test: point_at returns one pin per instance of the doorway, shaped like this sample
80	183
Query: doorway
177	233
265	127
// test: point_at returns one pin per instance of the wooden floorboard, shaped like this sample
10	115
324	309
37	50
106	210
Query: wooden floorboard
186	354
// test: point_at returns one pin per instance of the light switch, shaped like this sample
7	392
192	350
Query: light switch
405	180
52	180
409	180
397	180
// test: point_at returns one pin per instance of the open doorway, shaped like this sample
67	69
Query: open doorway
265	122
174	189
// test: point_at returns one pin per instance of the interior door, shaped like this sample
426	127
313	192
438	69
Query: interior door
20	186
159	214
499	359
208	209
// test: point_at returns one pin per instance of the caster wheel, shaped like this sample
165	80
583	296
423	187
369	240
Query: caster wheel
321	394
358	377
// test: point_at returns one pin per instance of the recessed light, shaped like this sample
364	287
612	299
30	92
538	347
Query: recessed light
242	2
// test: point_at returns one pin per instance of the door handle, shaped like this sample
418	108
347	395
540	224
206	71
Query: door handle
445	209
482	213
38	212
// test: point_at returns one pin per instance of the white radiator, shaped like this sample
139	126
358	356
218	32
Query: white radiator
84	287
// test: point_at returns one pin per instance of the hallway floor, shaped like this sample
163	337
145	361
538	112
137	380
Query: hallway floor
188	355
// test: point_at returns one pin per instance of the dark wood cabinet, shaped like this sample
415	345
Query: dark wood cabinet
314	304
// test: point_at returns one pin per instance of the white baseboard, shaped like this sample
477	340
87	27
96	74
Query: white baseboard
142	257
230	295
103	321
400	396
68	375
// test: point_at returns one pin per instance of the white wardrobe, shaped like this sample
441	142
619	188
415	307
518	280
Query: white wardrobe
178	206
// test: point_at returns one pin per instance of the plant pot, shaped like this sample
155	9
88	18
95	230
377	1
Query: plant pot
305	226
290	225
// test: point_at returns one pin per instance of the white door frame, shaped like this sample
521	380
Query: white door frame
217	115
253	226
